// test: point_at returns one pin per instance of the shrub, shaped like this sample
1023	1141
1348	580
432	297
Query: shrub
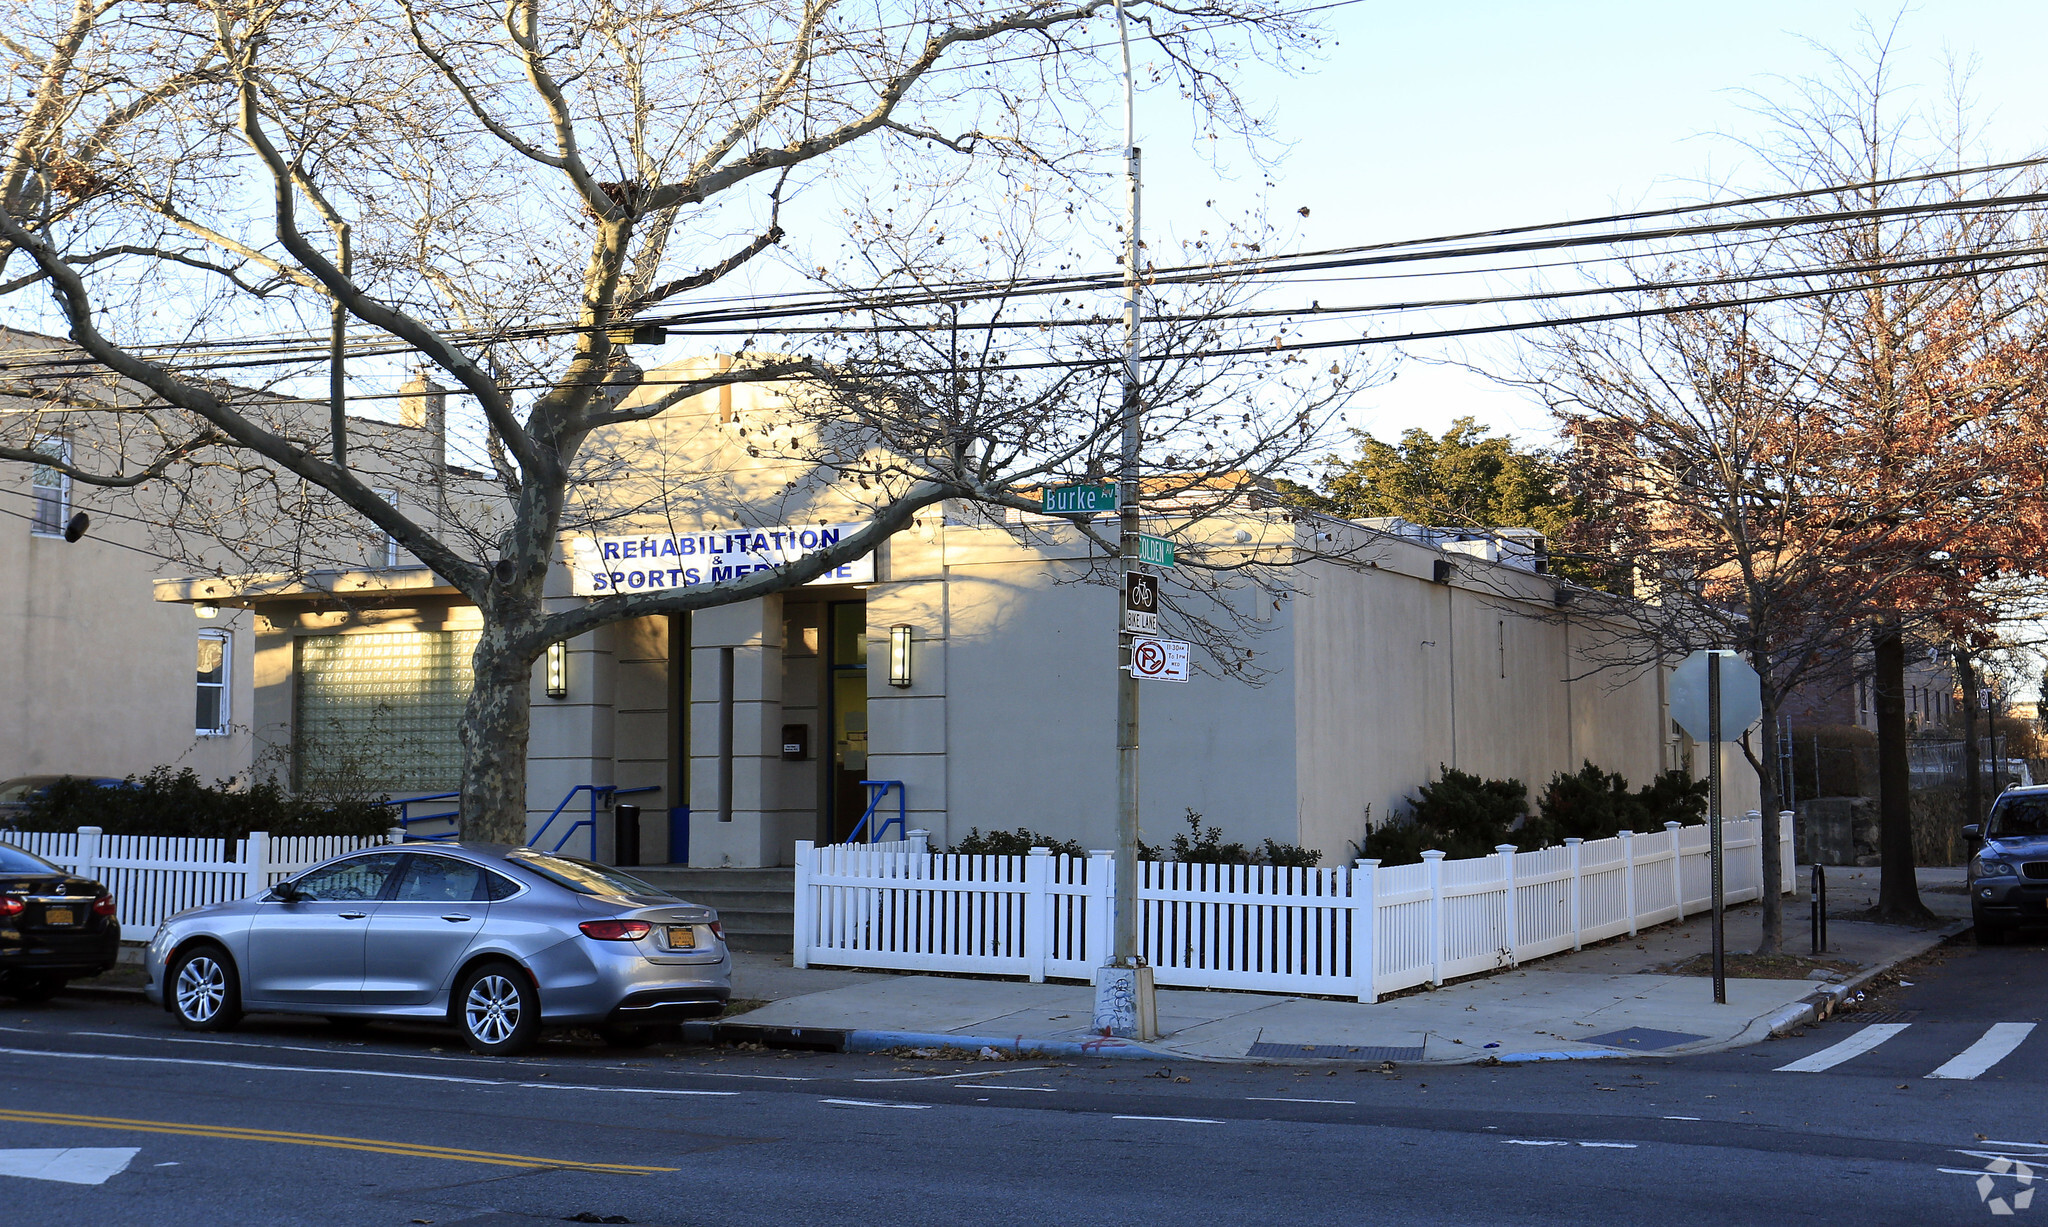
1019	842
1460	814
1204	846
177	803
1594	804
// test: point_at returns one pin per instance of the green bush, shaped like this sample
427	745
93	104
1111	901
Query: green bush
1460	813
1019	842
177	803
1204	846
1594	804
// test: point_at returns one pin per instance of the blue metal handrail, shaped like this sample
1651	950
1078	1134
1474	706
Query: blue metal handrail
879	789
609	791
406	817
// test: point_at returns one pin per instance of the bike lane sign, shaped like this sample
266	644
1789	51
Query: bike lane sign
1159	660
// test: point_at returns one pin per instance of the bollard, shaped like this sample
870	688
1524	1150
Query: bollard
1820	910
626	835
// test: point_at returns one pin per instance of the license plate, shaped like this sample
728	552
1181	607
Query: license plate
60	916
682	937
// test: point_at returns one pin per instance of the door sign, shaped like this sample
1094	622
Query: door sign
1159	660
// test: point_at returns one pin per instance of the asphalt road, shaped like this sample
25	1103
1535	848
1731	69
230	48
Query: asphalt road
293	1121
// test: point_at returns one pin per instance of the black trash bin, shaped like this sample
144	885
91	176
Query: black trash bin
625	835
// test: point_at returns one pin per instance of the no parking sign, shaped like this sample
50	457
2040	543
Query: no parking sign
1159	660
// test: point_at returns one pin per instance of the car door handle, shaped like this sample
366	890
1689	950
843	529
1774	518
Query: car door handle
352	915
454	917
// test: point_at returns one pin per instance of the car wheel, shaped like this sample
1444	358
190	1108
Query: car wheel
32	988
497	1009
631	1036
1989	934
205	992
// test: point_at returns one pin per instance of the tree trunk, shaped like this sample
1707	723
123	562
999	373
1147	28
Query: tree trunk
495	726
1898	893
1773	939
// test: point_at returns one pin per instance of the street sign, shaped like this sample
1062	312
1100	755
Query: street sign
1155	551
1141	604
1159	660
1741	697
1077	500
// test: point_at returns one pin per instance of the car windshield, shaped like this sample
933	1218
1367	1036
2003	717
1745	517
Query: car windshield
585	877
13	792
14	860
2018	818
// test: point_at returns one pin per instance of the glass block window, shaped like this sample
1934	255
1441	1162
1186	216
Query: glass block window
381	713
211	719
51	489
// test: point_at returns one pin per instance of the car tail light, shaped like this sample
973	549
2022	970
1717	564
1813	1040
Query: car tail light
718	930
616	930
103	906
11	905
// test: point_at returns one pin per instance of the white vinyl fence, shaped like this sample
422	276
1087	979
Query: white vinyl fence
1352	931
154	877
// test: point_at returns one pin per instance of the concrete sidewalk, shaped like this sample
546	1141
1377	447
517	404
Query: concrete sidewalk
1615	999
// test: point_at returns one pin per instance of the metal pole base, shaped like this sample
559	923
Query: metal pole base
1125	1004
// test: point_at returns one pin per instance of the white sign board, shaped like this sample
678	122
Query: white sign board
1741	696
600	566
1159	660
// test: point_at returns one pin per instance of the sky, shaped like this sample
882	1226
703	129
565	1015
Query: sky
1429	118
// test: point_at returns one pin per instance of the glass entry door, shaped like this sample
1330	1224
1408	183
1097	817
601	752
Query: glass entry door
846	800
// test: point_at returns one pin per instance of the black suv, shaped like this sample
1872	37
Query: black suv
2009	874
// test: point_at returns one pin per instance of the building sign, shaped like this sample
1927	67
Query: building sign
1159	660
599	566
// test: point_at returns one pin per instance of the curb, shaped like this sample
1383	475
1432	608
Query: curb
118	992
1820	1004
1098	1047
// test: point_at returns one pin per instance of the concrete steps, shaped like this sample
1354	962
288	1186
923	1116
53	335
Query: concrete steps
757	907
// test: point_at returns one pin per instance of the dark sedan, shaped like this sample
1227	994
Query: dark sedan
54	926
2009	874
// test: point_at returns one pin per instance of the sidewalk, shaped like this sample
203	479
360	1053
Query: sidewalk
1608	1001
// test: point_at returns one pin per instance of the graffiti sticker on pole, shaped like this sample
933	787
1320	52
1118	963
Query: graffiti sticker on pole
1159	660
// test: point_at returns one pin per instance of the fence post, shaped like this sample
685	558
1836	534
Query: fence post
1578	888
1101	885
88	853
1507	875
255	864
1037	876
1628	876
919	840
1677	869
801	924
1435	860
1365	931
1788	872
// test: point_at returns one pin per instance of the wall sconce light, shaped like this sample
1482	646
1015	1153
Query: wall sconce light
899	655
206	609
558	669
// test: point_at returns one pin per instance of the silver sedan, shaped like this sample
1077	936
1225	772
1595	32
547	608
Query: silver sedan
499	941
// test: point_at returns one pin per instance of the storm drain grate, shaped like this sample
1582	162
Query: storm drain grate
1335	1052
1877	1016
1648	1039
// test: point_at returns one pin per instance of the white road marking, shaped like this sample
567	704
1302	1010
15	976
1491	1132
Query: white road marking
1681	1118
1995	1046
1855	1046
871	1103
986	1073
1593	1145
1610	1145
74	1165
1183	1120
46	1054
1286	1099
1529	1142
983	1086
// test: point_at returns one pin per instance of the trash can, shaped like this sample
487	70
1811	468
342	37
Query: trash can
625	835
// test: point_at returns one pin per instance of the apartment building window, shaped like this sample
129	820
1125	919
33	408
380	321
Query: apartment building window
51	488
211	719
390	542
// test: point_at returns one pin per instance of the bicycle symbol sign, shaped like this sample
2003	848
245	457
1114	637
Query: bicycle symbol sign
1159	660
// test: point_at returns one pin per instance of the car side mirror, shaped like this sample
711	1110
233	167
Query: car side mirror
1972	831
285	892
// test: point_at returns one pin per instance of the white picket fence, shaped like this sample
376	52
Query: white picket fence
1352	931
155	877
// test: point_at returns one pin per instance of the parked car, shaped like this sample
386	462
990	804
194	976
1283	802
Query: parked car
15	794
498	941
54	926
2009	873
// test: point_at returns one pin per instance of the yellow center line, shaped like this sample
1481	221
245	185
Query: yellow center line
373	1145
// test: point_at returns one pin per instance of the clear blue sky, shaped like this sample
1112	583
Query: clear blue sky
1428	117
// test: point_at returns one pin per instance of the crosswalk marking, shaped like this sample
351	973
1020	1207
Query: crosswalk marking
1996	1045
1855	1046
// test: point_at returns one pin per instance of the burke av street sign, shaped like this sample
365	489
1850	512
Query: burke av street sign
1077	500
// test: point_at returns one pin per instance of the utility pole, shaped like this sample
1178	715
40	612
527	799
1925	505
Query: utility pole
1124	1001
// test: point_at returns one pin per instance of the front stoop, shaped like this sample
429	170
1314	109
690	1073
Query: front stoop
757	907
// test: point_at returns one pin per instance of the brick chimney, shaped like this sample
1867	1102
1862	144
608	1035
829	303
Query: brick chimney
423	405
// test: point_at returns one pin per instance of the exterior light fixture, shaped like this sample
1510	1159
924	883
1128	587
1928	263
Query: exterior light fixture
899	655
558	669
206	609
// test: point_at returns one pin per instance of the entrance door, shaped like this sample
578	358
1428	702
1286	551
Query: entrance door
849	691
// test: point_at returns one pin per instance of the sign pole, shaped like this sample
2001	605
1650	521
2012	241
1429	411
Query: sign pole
1714	819
1124	1003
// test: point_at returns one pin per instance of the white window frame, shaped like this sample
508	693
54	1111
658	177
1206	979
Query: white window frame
59	448
390	542
226	685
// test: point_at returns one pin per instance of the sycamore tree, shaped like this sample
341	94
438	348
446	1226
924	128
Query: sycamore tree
507	195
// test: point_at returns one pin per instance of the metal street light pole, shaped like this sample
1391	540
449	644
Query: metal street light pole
1124	1003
